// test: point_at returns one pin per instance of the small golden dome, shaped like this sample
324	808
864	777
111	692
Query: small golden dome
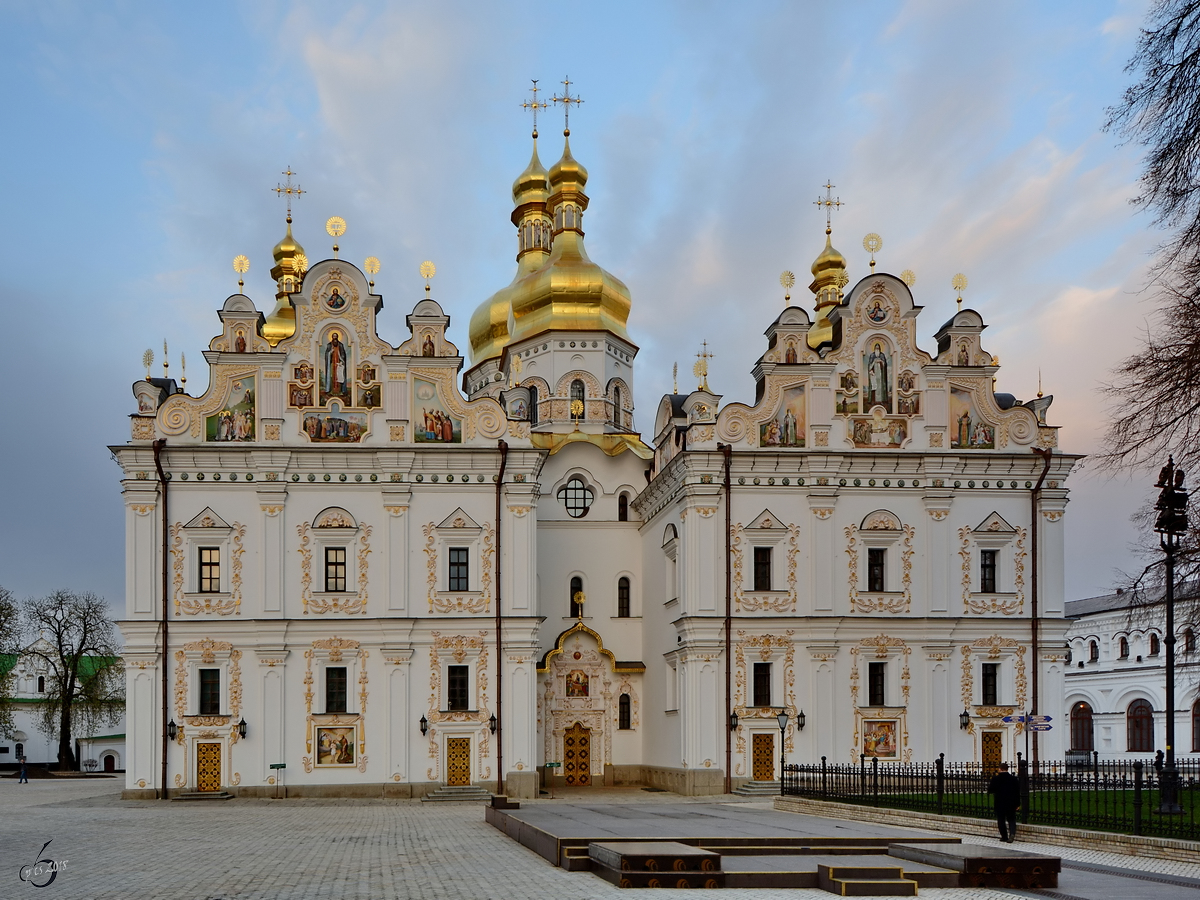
531	185
829	259
285	254
568	173
281	323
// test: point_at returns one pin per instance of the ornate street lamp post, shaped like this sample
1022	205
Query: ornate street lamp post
1171	524
782	719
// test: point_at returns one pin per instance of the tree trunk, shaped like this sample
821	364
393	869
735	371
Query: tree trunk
66	753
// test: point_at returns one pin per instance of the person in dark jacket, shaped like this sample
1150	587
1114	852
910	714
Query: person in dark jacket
1005	788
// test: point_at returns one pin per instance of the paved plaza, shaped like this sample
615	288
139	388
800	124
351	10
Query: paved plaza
341	849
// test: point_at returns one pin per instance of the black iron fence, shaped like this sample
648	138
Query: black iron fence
1080	792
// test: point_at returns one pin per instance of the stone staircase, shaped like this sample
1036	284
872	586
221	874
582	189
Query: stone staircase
203	795
759	789
462	793
865	881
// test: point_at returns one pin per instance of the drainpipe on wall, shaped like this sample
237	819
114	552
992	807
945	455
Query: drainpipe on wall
727	452
162	486
503	447
1035	497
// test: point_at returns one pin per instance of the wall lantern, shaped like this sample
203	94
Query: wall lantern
492	723
241	727
964	720
424	726
172	730
800	719
733	721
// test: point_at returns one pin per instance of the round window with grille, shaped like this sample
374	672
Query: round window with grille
576	497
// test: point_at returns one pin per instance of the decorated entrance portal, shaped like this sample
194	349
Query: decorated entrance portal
577	756
993	750
458	760
764	756
208	767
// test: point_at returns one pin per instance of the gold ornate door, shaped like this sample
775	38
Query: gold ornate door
992	743
577	756
208	767
764	756
458	760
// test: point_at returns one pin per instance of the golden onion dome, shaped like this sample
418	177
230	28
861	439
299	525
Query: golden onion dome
531	185
829	259
568	173
281	323
569	292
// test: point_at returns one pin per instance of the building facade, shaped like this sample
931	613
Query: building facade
1116	680
395	583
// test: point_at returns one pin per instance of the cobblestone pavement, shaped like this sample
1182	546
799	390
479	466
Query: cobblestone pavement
343	849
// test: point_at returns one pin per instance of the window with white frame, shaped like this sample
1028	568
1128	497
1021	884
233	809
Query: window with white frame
881	534
459	549
210	570
208	541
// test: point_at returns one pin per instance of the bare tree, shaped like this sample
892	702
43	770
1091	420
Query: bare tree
85	686
10	632
1155	394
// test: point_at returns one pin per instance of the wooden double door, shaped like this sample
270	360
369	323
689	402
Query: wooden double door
577	756
763	756
208	767
458	761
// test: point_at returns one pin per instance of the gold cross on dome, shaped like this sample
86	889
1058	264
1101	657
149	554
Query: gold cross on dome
830	203
534	105
700	369
287	189
566	100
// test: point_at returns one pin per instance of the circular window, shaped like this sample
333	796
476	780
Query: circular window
576	497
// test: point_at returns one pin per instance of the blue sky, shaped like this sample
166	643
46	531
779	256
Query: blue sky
143	140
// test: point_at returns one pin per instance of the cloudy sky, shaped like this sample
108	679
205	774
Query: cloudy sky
142	140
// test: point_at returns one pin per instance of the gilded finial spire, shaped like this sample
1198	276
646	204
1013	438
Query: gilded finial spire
241	265
830	203
428	270
1039	381
674	377
183	370
165	363
872	243
566	100
788	281
288	190
534	105
959	283
700	369
335	227
148	361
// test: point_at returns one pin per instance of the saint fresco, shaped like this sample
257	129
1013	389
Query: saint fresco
335	746
577	683
877	378
432	422
335	426
235	421
879	431
879	738
968	431
335	369
788	427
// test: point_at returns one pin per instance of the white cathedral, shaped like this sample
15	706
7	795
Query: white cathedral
345	572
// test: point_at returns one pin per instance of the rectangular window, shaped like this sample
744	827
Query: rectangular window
335	689
458	569
623	598
762	568
762	684
876	684
210	692
210	570
987	571
457	688
876	568
335	568
991	676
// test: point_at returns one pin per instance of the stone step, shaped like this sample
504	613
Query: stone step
865	881
457	792
203	795
759	789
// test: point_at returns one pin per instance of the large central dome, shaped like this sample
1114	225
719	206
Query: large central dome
562	290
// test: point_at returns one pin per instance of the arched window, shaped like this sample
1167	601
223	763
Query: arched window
1189	641
41	684
623	598
1196	727
623	508
1153	644
577	412
1139	727
624	713
533	402
576	590
1093	651
617	405
1124	645
20	751
1081	727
